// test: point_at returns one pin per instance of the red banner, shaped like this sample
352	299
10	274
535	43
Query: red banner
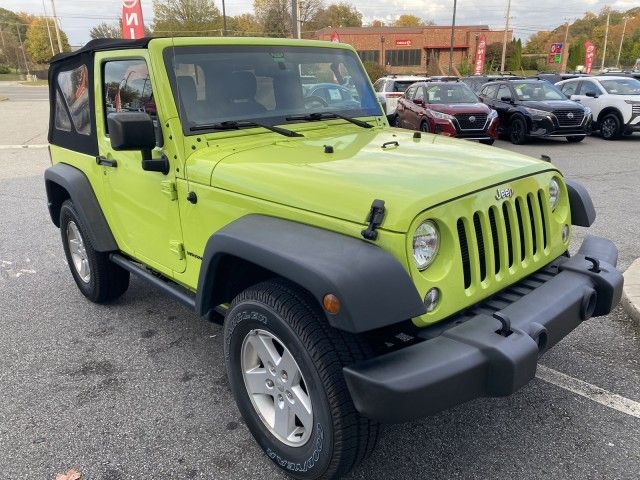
481	51
589	56
132	22
335	37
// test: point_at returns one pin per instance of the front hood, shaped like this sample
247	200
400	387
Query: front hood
455	108
551	105
410	177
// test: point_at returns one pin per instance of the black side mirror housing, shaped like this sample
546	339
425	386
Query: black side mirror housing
135	131
591	94
505	99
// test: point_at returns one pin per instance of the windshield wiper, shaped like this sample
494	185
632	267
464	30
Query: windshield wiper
314	117
237	125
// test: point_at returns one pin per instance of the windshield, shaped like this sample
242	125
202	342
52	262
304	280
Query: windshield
401	86
450	93
627	86
538	91
267	84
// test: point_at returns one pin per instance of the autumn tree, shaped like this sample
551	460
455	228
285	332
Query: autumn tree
107	30
493	56
335	15
244	25
189	17
10	53
375	70
408	21
38	41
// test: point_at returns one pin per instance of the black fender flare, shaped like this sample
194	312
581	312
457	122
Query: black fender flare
373	287
63	181
583	213
606	111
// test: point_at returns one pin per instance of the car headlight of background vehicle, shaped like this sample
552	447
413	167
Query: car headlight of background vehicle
554	193
493	114
426	241
441	116
538	113
587	111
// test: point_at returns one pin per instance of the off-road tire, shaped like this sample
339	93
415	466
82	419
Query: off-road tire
575	138
518	131
107	280
610	127
340	437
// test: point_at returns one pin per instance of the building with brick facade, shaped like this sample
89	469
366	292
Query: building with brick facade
414	50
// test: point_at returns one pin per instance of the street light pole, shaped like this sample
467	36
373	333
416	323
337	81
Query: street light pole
606	37
224	20
504	38
46	19
453	28
624	29
24	55
55	23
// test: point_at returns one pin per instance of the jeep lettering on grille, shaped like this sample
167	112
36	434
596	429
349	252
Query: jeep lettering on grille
501	194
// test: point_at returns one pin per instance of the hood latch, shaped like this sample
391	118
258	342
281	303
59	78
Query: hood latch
375	218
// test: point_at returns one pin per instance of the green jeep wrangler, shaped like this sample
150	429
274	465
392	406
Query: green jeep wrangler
364	274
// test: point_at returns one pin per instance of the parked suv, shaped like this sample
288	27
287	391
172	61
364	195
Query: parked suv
390	89
535	109
447	108
362	273
614	100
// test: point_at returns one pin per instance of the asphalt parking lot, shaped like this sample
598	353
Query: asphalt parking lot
137	389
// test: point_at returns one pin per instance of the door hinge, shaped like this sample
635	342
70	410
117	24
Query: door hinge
177	248
169	189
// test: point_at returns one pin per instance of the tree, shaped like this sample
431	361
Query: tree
515	62
38	42
375	70
493	56
274	17
190	17
335	15
408	21
243	25
377	23
576	53
107	30
9	21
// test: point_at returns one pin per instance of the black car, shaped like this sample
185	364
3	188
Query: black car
475	82
553	77
535	109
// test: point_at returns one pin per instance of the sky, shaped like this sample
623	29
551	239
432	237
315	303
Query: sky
78	16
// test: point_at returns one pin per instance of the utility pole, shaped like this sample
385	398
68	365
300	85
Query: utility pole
224	20
453	28
504	39
46	19
24	55
606	37
624	29
56	24
295	19
565	49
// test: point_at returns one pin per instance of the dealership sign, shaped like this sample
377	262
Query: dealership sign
481	51
132	23
403	43
555	54
589	56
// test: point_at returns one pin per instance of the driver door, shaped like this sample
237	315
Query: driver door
141	206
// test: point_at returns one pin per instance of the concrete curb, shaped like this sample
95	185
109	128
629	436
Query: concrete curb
631	291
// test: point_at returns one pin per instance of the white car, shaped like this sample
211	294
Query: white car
391	88
614	101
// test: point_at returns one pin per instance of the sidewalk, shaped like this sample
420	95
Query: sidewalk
631	291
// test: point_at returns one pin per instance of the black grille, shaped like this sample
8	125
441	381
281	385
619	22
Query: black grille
635	110
570	117
464	120
464	253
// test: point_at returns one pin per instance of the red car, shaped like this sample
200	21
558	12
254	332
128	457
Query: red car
447	108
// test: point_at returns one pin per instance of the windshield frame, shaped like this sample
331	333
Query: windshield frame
602	82
540	84
363	86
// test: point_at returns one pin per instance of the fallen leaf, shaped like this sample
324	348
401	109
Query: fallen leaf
72	474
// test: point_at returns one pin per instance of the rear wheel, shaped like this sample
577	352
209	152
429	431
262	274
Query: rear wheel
97	278
518	131
610	127
284	364
424	126
575	138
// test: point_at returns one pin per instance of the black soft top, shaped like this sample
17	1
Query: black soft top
103	44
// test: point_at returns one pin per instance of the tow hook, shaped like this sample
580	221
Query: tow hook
505	322
595	264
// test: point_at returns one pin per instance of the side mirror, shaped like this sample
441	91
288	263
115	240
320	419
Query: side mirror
417	101
505	99
135	131
591	94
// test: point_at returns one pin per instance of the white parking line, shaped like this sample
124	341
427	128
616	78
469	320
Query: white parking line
13	147
587	390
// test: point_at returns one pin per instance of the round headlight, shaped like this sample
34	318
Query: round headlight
425	244
554	193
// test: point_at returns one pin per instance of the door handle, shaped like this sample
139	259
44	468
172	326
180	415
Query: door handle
100	160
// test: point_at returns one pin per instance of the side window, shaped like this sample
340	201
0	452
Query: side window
489	91
588	86
127	87
411	91
419	94
378	85
504	91
569	88
72	99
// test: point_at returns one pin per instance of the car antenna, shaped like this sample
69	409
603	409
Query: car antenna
546	158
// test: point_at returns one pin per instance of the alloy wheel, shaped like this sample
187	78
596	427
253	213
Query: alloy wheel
78	252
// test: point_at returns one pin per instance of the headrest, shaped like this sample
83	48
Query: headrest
187	88
243	86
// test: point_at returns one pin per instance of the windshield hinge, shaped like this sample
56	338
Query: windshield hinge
177	248
376	215
169	189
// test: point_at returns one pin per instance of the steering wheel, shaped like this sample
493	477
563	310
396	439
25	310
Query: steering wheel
314	101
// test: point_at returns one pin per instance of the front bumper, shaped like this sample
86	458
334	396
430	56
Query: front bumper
546	127
469	357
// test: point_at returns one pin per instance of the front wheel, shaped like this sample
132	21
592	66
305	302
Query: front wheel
610	127
575	138
518	131
424	127
284	364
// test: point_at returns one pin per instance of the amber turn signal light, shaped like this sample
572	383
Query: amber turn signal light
331	303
